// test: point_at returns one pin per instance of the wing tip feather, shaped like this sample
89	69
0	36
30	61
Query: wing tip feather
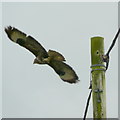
72	81
8	30
13	33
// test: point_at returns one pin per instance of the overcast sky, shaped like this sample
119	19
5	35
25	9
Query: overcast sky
37	91
1	61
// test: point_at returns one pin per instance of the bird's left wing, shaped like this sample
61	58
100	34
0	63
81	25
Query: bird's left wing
25	41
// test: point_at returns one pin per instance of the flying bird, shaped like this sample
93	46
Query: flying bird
52	58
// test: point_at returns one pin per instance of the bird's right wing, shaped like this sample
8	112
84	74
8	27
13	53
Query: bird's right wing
25	41
65	72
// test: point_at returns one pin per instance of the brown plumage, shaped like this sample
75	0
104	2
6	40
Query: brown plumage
52	58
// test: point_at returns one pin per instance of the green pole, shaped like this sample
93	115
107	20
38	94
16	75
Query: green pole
98	78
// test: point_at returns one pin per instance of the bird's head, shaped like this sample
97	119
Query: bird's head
36	61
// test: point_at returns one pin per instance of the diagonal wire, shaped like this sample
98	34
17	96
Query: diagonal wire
86	108
113	43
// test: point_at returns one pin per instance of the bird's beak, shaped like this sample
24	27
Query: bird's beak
36	61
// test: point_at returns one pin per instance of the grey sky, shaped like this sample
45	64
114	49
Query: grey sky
37	91
1	61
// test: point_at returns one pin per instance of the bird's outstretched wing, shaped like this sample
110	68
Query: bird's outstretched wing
52	58
66	73
26	41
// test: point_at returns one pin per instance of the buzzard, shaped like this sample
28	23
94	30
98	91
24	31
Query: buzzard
52	58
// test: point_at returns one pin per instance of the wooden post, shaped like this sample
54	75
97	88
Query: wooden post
98	78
